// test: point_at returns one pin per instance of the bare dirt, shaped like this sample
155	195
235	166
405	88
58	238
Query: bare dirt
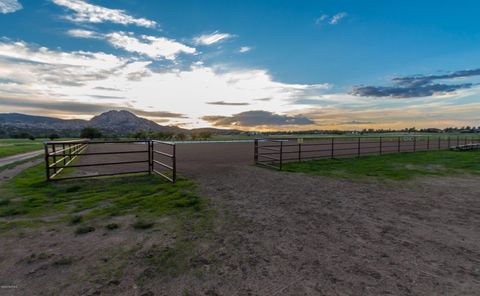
275	233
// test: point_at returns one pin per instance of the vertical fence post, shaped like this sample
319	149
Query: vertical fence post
414	144
458	141
281	154
465	143
449	142
150	160
398	144
255	151
174	164
439	142
381	146
47	168
358	147
63	154
54	158
428	143
299	152
332	151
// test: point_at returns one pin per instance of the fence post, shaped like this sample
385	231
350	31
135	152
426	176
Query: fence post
333	142
150	160
299	152
381	146
255	151
54	159
281	154
47	168
174	164
63	154
465	143
448	142
414	144
398	144
358	148
458	143
428	143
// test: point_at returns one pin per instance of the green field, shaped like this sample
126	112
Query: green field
10	147
399	166
29	200
135	205
432	136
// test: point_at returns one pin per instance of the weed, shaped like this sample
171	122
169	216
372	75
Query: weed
142	225
76	219
112	226
84	229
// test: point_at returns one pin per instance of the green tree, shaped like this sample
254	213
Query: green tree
181	136
53	137
205	135
90	133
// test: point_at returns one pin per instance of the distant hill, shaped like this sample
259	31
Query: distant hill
127	122
115	122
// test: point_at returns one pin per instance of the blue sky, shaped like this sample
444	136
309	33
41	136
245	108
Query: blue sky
245	64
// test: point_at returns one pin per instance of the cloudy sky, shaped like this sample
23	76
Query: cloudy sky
249	64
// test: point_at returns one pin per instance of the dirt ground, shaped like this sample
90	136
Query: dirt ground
275	233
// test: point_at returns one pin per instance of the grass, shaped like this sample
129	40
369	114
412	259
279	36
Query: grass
9	147
401	166
28	197
17	163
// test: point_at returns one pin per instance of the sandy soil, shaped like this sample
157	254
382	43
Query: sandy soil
275	233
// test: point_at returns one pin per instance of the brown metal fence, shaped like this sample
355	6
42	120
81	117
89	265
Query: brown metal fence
275	152
108	158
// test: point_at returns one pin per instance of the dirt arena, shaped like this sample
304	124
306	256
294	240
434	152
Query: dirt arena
279	233
291	234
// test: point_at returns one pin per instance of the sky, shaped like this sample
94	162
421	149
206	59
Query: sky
250	64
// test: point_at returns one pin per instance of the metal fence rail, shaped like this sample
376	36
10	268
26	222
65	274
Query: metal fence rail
275	152
164	163
60	155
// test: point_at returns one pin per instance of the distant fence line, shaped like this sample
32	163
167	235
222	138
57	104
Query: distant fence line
274	152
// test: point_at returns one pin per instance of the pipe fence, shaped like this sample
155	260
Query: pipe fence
85	159
275	152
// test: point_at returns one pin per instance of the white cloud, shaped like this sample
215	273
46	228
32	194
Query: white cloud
86	12
34	72
209	39
325	19
244	49
79	33
337	18
9	6
153	47
321	19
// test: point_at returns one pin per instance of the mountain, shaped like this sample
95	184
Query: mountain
126	122
111	122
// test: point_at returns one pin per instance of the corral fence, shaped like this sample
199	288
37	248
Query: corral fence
86	159
275	152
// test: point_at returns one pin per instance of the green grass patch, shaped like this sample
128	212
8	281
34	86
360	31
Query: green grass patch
400	166
29	196
9	147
